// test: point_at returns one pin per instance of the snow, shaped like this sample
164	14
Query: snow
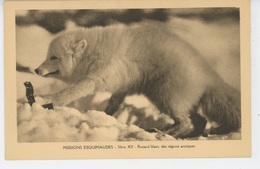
32	45
36	124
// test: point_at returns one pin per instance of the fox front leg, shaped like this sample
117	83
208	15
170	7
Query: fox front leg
72	93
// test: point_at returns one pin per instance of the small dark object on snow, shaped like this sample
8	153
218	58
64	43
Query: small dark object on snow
152	130
30	96
204	135
48	106
29	92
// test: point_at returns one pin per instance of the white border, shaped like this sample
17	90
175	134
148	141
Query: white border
243	163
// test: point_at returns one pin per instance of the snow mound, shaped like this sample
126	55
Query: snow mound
63	124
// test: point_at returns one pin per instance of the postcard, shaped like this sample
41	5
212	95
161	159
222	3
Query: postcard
127	79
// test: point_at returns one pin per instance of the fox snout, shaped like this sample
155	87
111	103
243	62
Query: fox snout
47	72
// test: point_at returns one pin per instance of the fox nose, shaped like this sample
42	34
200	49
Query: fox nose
36	71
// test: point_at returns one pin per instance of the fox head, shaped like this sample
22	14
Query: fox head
62	58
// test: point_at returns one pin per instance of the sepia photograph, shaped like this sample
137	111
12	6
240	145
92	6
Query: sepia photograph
114	79
132	74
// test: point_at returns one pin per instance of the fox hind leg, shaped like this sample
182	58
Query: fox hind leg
114	103
187	126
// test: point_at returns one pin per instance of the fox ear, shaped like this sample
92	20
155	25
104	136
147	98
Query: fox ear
80	46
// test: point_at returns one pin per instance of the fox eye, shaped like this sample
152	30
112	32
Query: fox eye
53	58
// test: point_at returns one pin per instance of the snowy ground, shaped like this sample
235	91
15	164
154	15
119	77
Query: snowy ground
36	124
84	120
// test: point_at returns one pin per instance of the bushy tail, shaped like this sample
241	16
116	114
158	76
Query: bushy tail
222	105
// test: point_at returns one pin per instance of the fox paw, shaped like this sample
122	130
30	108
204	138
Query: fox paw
180	131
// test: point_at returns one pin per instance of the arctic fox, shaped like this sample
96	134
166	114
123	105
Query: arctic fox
150	60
